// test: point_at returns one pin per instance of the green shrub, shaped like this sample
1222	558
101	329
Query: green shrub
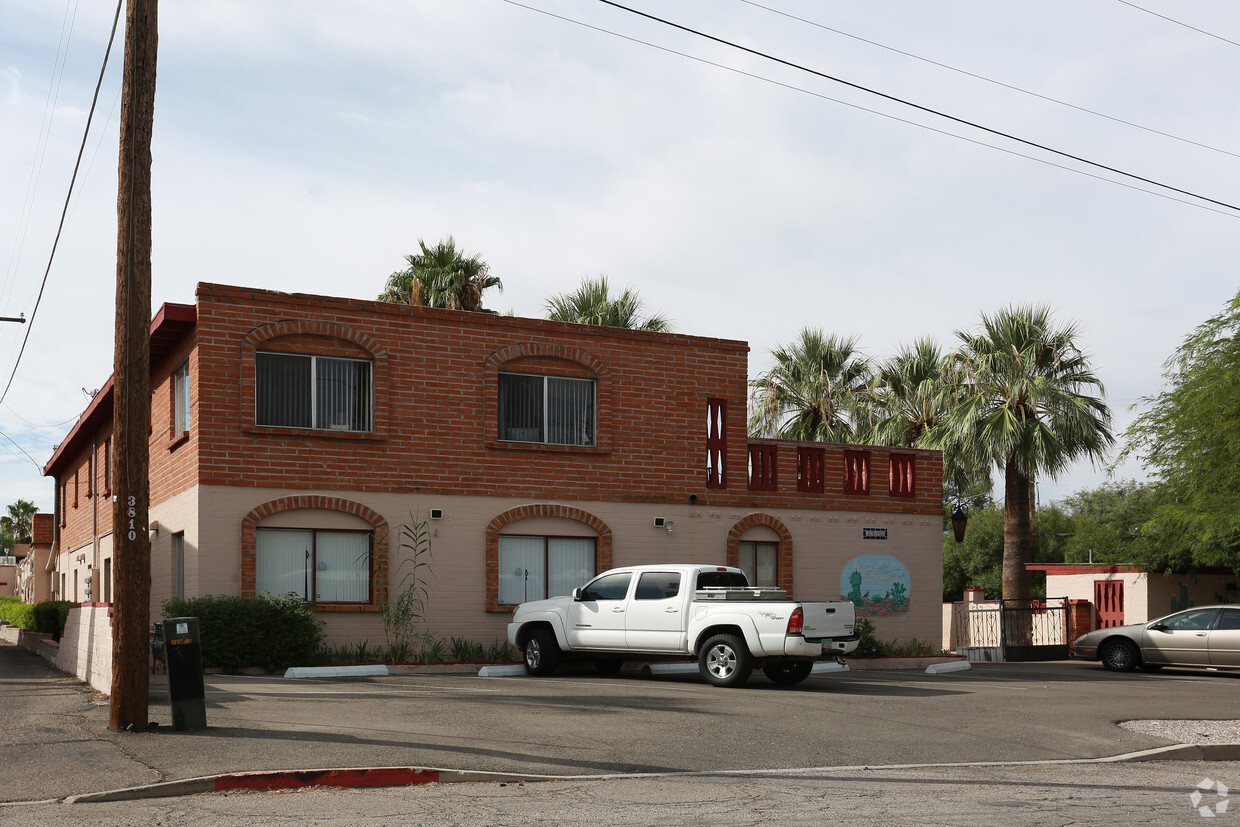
16	613
270	632
871	647
50	616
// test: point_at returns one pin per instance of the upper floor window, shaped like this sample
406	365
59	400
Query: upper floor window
180	399
107	466
550	409
296	391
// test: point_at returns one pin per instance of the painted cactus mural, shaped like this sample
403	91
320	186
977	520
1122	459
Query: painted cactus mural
876	584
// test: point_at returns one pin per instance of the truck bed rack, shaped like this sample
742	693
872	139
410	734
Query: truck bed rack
749	593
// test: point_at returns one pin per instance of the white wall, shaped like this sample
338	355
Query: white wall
86	646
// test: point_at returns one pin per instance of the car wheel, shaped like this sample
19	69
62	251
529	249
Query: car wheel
788	672
542	653
608	665
1119	656
724	660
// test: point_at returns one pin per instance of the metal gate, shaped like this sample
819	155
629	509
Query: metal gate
1012	630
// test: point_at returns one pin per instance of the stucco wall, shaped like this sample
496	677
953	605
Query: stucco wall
1149	596
826	547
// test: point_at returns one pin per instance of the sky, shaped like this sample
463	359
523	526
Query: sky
306	147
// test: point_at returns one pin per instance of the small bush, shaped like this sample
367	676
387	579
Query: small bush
871	647
50	616
16	613
270	632
427	650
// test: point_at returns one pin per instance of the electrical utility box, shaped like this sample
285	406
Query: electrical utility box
183	649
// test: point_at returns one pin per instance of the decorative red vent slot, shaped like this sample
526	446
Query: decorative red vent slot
762	476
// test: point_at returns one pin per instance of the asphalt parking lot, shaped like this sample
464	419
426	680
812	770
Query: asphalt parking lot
582	723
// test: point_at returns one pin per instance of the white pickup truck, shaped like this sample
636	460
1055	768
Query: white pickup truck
710	613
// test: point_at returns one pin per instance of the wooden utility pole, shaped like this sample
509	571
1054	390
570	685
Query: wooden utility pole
131	393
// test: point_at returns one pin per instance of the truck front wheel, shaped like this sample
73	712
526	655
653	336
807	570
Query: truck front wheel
725	661
542	653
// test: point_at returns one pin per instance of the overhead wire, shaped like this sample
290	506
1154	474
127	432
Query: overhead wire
73	418
64	211
23	454
985	79
888	115
917	106
1178	22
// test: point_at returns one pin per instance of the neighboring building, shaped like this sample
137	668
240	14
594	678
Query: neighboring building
34	575
1122	595
293	435
8	576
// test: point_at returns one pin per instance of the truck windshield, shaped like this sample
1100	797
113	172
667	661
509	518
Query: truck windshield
722	579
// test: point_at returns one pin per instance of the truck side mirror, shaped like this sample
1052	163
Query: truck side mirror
577	593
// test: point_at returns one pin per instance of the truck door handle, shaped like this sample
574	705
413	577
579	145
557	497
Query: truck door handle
671	610
617	609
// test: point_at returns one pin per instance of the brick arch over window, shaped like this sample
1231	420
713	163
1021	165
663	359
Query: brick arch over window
378	573
602	548
784	573
327	330
306	327
604	390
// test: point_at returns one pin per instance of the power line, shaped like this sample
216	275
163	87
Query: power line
976	76
28	458
917	106
867	110
74	418
1179	22
64	211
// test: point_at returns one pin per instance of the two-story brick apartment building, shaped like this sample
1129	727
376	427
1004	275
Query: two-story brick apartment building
292	435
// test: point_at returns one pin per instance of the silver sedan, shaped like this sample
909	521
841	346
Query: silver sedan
1205	636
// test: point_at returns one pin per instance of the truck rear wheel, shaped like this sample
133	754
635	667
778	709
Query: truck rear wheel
542	653
788	672
725	661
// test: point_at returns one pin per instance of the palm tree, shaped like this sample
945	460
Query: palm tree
909	396
1023	402
19	521
818	390
441	276
592	303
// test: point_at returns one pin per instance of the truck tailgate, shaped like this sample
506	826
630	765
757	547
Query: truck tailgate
828	619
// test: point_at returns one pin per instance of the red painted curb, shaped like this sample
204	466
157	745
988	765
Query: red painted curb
364	777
